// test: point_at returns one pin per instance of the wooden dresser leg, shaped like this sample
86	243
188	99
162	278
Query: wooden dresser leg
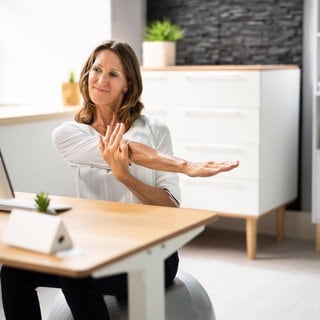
251	235
318	237
280	217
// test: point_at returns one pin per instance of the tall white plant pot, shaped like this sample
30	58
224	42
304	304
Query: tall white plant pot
158	53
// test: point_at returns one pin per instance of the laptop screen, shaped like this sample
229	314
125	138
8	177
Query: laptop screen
6	190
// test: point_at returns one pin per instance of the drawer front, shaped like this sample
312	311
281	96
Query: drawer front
222	195
202	88
248	155
154	90
213	125
159	113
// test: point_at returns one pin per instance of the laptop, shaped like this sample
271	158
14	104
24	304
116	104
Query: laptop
8	201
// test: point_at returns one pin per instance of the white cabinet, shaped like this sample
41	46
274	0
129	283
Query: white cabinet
249	113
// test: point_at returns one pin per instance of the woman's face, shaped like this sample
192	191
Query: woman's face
107	80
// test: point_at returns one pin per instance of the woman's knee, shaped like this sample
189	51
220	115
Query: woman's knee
24	278
10	276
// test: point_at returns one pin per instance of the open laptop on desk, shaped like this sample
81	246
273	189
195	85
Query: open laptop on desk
7	196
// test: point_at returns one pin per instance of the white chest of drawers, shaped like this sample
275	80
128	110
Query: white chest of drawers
246	113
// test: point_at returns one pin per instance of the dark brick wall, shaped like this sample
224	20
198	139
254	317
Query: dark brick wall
234	31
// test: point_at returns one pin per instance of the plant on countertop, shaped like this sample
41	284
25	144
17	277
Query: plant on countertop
163	31
71	76
70	91
42	201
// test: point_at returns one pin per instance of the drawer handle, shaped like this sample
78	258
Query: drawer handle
154	77
212	113
158	112
213	147
234	76
225	184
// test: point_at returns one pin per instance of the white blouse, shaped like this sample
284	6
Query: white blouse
78	145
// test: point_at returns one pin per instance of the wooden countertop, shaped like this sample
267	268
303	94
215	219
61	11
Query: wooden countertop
223	67
28	113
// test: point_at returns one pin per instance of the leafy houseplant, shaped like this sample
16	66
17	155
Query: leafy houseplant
159	46
163	31
70	91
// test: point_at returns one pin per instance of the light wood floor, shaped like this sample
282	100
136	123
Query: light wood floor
283	283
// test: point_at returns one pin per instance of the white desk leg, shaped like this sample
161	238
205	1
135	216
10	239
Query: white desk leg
146	293
146	276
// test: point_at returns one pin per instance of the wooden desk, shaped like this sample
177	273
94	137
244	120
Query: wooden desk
112	238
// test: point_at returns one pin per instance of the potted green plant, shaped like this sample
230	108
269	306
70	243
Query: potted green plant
70	91
159	45
42	201
44	232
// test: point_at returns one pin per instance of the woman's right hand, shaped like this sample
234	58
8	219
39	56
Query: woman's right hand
208	169
115	150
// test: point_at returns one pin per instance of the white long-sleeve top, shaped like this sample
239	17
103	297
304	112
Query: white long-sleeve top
78	145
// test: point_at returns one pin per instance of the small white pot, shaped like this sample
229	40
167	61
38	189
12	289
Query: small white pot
158	53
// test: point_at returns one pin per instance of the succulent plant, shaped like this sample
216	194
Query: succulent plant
42	201
71	76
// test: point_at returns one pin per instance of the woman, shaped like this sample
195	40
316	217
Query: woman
113	151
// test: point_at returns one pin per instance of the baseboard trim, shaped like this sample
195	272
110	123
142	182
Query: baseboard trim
298	224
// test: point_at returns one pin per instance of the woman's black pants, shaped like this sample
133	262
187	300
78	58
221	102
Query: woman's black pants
84	295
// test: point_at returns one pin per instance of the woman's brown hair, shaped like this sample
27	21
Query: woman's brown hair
131	105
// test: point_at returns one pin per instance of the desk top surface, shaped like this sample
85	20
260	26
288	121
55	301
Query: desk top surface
104	232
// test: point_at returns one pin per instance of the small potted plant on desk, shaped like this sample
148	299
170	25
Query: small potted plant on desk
41	230
42	201
159	45
70	91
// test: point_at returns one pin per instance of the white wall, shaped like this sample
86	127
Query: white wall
42	40
34	165
128	22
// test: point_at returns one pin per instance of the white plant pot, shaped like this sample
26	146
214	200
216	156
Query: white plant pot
36	231
158	53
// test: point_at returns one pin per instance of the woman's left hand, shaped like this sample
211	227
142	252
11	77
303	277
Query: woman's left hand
115	150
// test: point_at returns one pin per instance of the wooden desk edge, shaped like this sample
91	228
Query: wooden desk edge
71	271
80	273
